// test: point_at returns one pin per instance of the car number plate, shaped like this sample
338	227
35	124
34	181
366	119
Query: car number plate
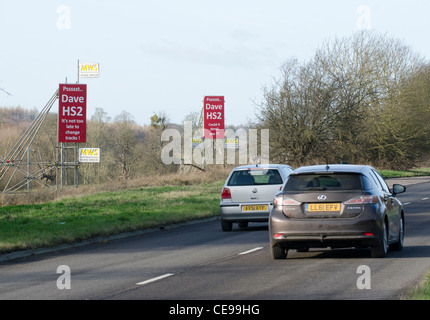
322	207
258	207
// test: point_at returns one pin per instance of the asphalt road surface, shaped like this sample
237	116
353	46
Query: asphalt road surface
198	261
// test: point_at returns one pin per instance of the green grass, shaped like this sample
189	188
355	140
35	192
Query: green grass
79	218
405	174
422	291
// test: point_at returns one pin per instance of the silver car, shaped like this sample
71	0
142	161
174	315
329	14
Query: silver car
248	193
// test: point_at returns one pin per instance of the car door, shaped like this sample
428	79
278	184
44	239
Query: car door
392	206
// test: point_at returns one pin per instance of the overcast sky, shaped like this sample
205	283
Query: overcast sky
166	55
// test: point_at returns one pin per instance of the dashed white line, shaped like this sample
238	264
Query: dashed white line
171	274
426	198
252	250
155	279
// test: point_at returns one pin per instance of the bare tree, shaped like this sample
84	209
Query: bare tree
347	103
124	141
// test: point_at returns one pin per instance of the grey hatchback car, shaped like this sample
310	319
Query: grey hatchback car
247	195
337	206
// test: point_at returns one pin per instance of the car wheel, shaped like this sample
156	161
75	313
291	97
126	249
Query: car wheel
381	249
278	252
226	225
398	246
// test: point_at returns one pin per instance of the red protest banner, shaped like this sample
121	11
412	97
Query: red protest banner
72	113
213	112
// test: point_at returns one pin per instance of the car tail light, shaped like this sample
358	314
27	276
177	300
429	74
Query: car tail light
281	201
226	194
362	200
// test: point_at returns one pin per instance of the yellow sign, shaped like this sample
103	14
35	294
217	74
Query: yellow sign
89	155
197	142
89	70
231	143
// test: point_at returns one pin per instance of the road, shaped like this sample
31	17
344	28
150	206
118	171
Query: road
199	261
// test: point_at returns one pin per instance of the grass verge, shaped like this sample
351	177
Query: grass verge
421	291
78	218
405	174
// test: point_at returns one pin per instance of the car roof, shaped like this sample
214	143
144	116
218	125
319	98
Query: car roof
263	166
333	168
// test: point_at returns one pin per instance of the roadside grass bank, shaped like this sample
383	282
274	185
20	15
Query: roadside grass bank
78	218
387	174
421	291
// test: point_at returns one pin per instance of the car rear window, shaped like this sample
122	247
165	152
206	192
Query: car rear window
252	177
324	181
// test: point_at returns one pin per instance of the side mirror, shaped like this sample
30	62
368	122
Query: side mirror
398	188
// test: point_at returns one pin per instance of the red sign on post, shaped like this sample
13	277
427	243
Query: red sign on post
72	113
213	112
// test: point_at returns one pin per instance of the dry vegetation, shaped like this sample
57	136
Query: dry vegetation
130	157
191	177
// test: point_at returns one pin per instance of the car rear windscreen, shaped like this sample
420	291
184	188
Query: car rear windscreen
324	181
255	177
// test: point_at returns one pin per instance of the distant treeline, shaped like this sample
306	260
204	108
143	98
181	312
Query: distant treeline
128	150
16	115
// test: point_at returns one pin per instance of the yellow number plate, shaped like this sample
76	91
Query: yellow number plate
322	207
259	207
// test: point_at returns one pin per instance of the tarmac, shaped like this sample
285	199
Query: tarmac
407	181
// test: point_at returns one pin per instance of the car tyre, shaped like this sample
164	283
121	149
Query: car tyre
398	246
381	249
226	225
278	252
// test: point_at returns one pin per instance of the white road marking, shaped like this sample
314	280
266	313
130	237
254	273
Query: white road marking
426	198
252	250
406	203
155	279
